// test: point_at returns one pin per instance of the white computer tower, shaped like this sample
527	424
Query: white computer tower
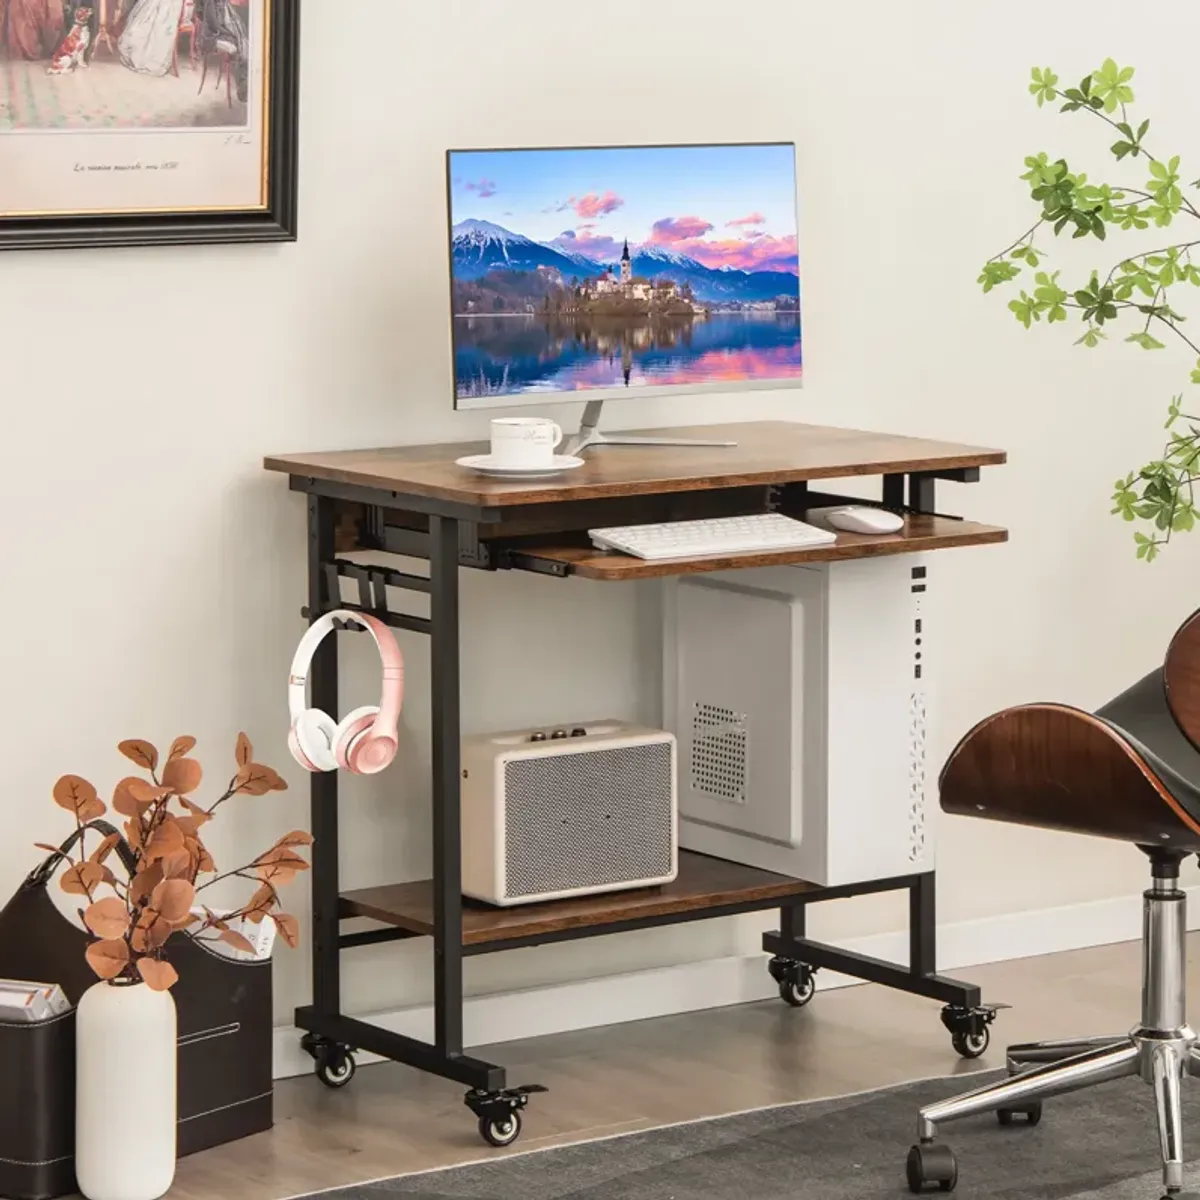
798	698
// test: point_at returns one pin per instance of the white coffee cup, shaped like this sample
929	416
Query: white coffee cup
524	443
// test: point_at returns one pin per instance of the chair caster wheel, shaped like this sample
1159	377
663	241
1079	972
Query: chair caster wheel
931	1167
1031	1112
500	1131
797	981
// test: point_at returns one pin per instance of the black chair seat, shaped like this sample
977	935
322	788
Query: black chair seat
1142	717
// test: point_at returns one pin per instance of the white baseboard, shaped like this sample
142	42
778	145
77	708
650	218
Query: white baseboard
715	983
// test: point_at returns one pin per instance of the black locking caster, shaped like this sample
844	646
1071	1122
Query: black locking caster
931	1167
797	981
499	1113
502	1131
968	1028
335	1065
1031	1112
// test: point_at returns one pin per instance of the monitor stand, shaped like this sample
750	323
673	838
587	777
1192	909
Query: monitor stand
589	435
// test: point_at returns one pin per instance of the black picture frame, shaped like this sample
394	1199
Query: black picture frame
276	223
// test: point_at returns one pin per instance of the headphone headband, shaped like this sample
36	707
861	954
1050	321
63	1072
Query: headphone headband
391	697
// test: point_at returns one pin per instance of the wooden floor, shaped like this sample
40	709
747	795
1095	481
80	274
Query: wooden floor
393	1120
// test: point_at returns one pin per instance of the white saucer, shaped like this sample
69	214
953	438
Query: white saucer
485	466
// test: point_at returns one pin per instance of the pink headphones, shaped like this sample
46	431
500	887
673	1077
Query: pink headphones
365	741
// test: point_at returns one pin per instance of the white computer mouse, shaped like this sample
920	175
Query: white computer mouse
864	519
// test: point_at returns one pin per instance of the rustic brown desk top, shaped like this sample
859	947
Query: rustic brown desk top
767	452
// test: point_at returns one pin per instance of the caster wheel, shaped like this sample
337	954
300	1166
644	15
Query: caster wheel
797	981
335	1066
500	1131
1031	1112
931	1167
971	1045
798	992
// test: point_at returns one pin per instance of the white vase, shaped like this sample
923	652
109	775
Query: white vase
125	1092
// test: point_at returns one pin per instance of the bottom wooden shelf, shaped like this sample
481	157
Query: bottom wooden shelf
704	886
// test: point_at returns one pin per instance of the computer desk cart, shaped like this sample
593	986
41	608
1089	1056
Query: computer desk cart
414	502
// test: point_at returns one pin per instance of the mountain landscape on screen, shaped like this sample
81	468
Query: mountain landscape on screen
622	268
479	247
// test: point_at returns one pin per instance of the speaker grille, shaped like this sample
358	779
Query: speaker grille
719	752
588	819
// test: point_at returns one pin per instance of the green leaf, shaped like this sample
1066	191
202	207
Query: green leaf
1091	338
998	272
1048	292
1141	133
1025	312
1146	340
1043	83
1110	86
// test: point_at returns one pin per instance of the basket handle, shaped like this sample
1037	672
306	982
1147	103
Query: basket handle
41	875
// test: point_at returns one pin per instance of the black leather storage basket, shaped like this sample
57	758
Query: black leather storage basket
224	1011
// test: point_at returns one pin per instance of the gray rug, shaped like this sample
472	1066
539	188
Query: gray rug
1094	1145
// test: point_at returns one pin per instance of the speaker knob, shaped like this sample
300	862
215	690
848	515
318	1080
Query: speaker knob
558	733
579	731
537	737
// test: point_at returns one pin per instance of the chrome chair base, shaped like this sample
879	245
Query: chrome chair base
1161	1050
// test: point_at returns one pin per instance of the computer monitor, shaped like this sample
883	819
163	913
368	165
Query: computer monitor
623	271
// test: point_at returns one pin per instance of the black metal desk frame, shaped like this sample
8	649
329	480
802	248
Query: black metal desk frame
449	535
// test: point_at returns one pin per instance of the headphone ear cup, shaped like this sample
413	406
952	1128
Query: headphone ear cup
354	723
314	734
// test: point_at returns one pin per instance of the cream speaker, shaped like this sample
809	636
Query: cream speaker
568	811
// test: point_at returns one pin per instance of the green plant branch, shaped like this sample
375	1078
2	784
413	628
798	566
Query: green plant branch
1026	237
1176	331
1138	148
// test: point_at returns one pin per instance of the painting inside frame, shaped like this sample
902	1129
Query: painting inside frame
120	107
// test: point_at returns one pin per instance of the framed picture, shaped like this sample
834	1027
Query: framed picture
143	122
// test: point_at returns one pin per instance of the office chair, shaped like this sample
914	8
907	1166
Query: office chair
1131	771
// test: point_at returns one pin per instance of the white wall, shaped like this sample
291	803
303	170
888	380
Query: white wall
164	569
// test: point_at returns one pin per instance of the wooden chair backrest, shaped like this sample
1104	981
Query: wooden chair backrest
1181	676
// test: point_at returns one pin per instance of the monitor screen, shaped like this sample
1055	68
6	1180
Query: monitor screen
622	271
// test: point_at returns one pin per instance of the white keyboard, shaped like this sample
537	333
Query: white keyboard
762	532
